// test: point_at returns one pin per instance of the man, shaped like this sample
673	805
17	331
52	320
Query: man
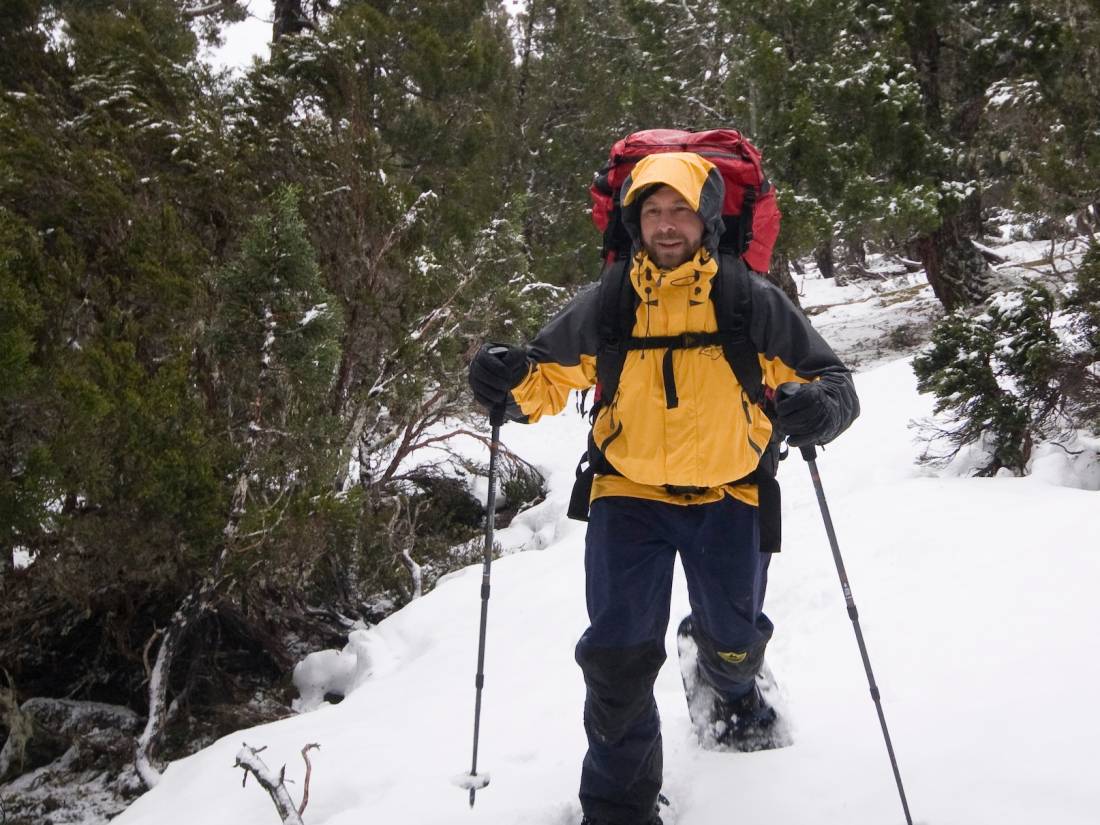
670	447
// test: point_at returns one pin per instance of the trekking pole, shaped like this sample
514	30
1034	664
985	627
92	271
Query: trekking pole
810	454
475	781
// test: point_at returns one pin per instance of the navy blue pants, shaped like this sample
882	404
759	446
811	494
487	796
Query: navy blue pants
630	552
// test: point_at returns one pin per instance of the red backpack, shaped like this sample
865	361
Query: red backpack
749	210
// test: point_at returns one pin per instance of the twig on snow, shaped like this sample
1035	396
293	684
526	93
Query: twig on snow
248	760
309	772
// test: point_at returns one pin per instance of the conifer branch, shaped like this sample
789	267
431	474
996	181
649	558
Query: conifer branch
207	10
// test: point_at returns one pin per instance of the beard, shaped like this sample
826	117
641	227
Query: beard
670	251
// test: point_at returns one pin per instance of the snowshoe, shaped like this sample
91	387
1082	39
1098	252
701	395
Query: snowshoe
746	724
662	804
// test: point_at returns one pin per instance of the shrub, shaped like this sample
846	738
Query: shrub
995	374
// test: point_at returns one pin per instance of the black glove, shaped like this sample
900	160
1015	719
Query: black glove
805	413
495	370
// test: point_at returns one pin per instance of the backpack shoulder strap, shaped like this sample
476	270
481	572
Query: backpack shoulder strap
618	302
732	306
733	311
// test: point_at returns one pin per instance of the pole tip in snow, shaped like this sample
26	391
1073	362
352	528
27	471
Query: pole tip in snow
472	782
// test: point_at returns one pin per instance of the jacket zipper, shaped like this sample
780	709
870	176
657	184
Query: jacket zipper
748	420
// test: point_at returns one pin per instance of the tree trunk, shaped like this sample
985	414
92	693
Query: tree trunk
189	610
780	275
956	269
855	255
823	256
290	18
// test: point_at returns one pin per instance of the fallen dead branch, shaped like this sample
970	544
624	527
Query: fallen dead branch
248	760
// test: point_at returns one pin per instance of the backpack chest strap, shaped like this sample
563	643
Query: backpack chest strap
685	340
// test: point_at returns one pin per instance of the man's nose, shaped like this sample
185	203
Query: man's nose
666	224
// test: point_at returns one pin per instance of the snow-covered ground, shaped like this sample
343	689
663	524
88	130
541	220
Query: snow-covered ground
977	598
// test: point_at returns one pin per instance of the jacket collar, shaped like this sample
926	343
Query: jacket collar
644	273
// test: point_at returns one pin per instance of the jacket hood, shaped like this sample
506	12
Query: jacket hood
696	179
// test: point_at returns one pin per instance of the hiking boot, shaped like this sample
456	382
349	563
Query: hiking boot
662	800
747	724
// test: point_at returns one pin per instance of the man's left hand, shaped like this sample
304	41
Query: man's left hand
804	413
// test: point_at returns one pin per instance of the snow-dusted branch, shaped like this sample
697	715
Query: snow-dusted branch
426	417
408	220
211	8
406	543
709	110
248	759
190	609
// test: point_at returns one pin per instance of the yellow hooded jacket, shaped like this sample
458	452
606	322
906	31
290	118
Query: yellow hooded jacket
704	433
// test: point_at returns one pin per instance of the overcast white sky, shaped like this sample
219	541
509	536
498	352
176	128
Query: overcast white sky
246	40
252	38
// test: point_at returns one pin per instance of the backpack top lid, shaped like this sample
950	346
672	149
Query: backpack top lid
737	160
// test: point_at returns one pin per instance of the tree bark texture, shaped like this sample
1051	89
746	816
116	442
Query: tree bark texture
823	257
855	255
956	269
780	275
290	18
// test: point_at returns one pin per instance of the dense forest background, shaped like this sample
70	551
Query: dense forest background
232	306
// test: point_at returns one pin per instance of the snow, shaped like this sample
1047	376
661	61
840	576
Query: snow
312	314
1069	464
976	597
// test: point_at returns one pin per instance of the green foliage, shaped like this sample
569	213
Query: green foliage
280	276
20	314
996	375
1081	381
275	330
1085	299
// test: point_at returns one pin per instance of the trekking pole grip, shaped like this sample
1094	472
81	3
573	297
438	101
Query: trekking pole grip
809	452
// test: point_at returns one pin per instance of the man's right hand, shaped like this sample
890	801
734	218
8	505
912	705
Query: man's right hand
495	370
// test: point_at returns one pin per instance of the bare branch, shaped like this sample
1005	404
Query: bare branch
206	11
309	772
157	632
248	759
413	430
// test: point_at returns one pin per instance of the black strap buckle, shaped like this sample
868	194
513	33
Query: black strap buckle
691	340
678	490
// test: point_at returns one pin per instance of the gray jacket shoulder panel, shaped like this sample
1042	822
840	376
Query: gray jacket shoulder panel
571	333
